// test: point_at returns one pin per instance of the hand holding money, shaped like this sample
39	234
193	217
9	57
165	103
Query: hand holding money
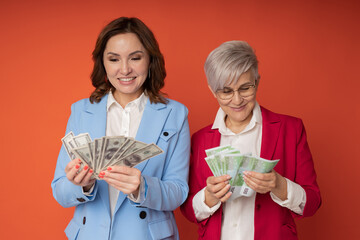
226	160
217	189
123	178
80	178
267	182
107	151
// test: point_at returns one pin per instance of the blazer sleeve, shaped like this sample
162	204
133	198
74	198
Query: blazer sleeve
65	192
170	191
187	208
305	173
199	172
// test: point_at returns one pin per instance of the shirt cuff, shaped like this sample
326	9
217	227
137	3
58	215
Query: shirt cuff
201	210
90	192
296	197
141	195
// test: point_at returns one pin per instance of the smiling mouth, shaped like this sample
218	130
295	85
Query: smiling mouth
238	108
126	79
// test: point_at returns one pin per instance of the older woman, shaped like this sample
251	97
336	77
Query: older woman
129	203
289	191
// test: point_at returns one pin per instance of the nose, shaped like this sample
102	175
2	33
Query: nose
237	98
125	68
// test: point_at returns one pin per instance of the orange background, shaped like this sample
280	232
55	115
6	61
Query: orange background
309	59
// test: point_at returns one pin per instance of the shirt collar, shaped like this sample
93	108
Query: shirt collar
219	122
138	103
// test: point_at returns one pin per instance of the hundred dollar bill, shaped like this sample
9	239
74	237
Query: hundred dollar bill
67	146
82	139
97	153
110	146
140	155
84	154
134	147
108	150
120	152
91	146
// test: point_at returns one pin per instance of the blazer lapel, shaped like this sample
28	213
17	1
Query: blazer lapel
212	137
95	123
270	133
150	128
151	125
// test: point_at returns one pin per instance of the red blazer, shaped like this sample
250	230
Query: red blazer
284	138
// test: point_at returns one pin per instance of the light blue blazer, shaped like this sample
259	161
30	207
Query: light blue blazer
166	177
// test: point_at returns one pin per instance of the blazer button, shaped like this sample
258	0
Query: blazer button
80	199
166	134
84	220
142	214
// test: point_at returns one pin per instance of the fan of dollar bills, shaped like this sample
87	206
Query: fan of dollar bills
108	151
228	160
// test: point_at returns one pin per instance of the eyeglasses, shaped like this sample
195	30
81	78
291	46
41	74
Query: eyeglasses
244	91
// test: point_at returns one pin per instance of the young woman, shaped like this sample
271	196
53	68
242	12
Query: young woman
128	203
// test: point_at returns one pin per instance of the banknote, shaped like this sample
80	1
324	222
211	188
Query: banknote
65	140
139	155
81	139
213	151
110	147
83	153
107	151
120	152
228	160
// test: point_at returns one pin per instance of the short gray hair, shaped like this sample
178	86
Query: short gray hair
227	62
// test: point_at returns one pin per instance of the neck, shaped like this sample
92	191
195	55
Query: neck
235	126
124	99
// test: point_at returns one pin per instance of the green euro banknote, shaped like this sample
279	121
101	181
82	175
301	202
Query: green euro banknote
213	151
247	163
228	160
214	158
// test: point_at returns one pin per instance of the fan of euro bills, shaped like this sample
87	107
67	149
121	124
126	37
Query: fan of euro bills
108	151
228	160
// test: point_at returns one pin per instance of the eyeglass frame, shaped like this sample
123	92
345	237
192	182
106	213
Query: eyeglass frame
237	90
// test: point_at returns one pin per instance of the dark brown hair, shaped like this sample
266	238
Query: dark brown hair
152	84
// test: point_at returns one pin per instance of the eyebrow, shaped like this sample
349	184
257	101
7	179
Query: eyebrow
245	84
116	54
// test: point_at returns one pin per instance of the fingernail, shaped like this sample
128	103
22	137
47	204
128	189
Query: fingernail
102	173
91	171
101	176
77	166
79	160
109	168
86	168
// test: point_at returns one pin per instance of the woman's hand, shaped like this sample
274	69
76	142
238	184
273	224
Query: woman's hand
124	179
82	178
267	182
217	189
